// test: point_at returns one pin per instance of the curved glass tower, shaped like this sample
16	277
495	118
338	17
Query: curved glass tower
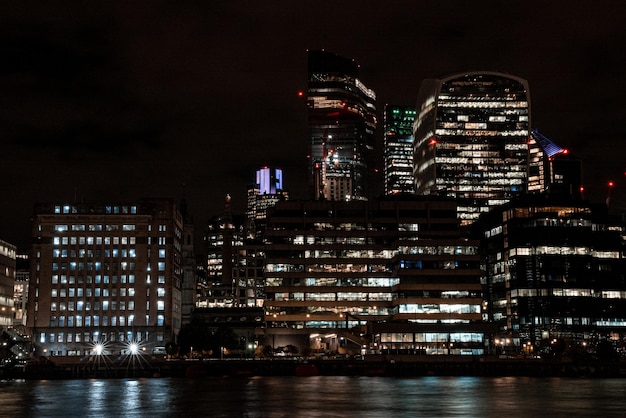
342	120
471	140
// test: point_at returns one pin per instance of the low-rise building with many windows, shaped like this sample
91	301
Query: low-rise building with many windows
105	276
391	275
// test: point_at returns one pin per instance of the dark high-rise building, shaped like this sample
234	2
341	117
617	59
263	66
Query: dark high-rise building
342	121
398	149
552	268
471	140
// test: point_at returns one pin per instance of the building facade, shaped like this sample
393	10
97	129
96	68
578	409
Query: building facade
20	290
398	149
387	275
342	123
553	268
471	140
7	283
264	193
105	276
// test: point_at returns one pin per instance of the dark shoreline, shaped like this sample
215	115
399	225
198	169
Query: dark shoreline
391	366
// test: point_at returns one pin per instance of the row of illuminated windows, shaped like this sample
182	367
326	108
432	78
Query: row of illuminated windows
64	279
96	336
99	240
98	292
466	132
332	281
438	250
605	294
483	104
97	305
107	252
104	305
107	209
94	266
440	337
439	308
94	227
338	296
562	250
472	161
78	321
97	266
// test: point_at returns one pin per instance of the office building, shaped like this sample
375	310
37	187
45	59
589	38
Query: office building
341	122
388	275
264	193
105	276
225	234
7	282
552	169
553	269
398	149
471	140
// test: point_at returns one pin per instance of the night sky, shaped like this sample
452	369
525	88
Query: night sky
122	100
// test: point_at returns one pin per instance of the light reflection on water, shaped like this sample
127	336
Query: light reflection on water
320	396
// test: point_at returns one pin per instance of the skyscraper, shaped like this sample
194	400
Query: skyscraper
398	149
265	192
342	121
552	168
471	140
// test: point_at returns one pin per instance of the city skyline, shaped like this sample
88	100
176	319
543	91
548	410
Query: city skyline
137	100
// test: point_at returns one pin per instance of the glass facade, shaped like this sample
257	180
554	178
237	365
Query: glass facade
471	140
338	268
342	121
398	149
553	268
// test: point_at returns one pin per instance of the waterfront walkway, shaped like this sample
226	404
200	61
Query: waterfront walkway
375	365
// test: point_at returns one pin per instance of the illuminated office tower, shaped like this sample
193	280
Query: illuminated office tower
105	276
471	140
552	168
265	192
398	149
342	121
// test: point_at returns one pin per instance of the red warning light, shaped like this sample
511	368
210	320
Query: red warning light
300	93
611	184
432	141
582	189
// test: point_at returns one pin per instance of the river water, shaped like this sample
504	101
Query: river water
318	396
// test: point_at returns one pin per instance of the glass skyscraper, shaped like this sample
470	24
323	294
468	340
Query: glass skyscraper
471	140
398	149
342	121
